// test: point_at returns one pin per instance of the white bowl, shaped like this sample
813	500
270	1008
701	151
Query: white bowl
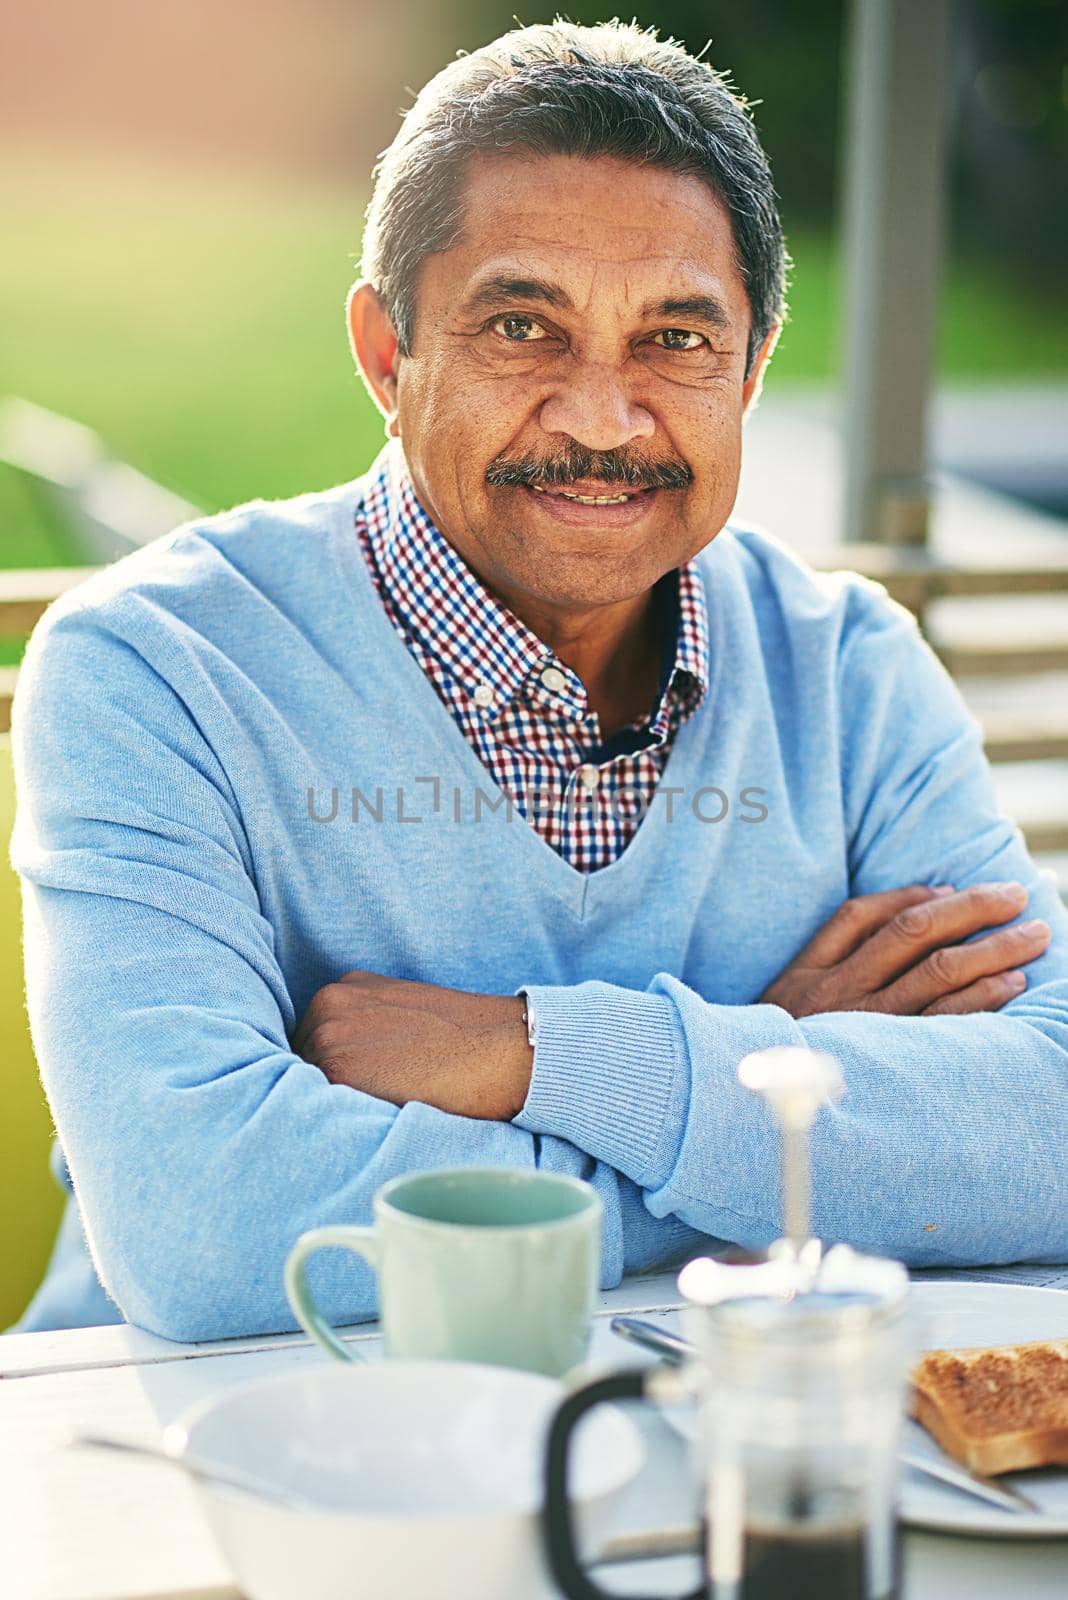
429	1474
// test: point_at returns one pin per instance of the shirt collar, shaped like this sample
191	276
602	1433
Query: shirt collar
473	634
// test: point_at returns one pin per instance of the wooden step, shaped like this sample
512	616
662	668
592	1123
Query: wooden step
1008	736
1047	834
914	578
1012	657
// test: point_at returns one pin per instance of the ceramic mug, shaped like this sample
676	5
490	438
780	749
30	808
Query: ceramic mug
487	1264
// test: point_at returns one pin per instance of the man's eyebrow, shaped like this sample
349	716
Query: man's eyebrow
704	307
503	286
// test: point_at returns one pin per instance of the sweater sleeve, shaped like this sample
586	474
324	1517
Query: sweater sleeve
199	1145
951	1144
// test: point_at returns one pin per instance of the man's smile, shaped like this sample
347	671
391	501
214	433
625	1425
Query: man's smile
589	496
587	505
597	490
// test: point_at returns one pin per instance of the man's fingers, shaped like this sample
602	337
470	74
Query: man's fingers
856	920
987	994
954	967
327	1004
361	994
917	930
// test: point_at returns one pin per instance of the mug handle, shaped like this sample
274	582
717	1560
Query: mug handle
346	1236
557	1527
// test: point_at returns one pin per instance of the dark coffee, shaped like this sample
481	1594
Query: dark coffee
826	1561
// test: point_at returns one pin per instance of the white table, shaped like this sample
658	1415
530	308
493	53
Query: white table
77	1525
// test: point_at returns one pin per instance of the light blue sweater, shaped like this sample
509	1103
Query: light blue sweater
183	905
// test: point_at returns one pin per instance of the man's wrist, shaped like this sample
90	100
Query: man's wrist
608	1065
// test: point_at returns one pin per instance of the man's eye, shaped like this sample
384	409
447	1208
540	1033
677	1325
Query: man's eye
519	330
676	339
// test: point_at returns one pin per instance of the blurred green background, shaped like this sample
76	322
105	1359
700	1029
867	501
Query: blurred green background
181	199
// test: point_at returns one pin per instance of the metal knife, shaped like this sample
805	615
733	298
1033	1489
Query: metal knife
672	1347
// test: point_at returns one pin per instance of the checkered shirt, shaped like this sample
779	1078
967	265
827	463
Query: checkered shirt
521	709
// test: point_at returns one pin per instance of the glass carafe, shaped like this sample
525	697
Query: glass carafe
800	1372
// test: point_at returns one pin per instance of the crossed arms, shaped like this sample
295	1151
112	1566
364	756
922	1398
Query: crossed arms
893	952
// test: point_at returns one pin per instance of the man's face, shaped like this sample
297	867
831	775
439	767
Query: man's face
587	337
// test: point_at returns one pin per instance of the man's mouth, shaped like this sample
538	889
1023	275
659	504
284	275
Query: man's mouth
592	499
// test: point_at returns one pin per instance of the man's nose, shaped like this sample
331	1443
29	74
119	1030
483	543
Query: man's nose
592	405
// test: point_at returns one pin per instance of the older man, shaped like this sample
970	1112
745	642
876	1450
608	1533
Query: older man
490	808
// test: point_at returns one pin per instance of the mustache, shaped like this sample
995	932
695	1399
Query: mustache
577	463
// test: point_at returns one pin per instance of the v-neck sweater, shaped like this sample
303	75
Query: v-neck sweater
236	784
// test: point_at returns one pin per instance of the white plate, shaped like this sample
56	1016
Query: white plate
963	1314
956	1315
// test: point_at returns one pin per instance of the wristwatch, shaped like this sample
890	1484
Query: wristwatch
529	1018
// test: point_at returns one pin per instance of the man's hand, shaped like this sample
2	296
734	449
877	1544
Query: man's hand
897	952
399	1040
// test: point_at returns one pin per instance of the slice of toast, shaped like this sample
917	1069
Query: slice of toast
996	1409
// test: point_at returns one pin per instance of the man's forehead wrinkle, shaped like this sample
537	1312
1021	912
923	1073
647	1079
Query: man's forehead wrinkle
694	293
561	217
612	240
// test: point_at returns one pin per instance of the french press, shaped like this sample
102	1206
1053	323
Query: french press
800	1365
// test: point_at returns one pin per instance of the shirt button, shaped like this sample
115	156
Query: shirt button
552	678
589	777
484	695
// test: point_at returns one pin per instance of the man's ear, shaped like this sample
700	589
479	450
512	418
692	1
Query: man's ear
373	340
752	384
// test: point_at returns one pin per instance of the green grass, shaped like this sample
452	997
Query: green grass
31	538
197	325
196	322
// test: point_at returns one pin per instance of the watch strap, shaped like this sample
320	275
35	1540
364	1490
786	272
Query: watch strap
529	1018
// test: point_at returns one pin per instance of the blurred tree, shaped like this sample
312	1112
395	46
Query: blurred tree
1010	134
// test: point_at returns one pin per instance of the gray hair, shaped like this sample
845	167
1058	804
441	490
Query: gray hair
560	89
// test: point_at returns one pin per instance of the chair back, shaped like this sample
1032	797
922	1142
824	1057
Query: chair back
31	1202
